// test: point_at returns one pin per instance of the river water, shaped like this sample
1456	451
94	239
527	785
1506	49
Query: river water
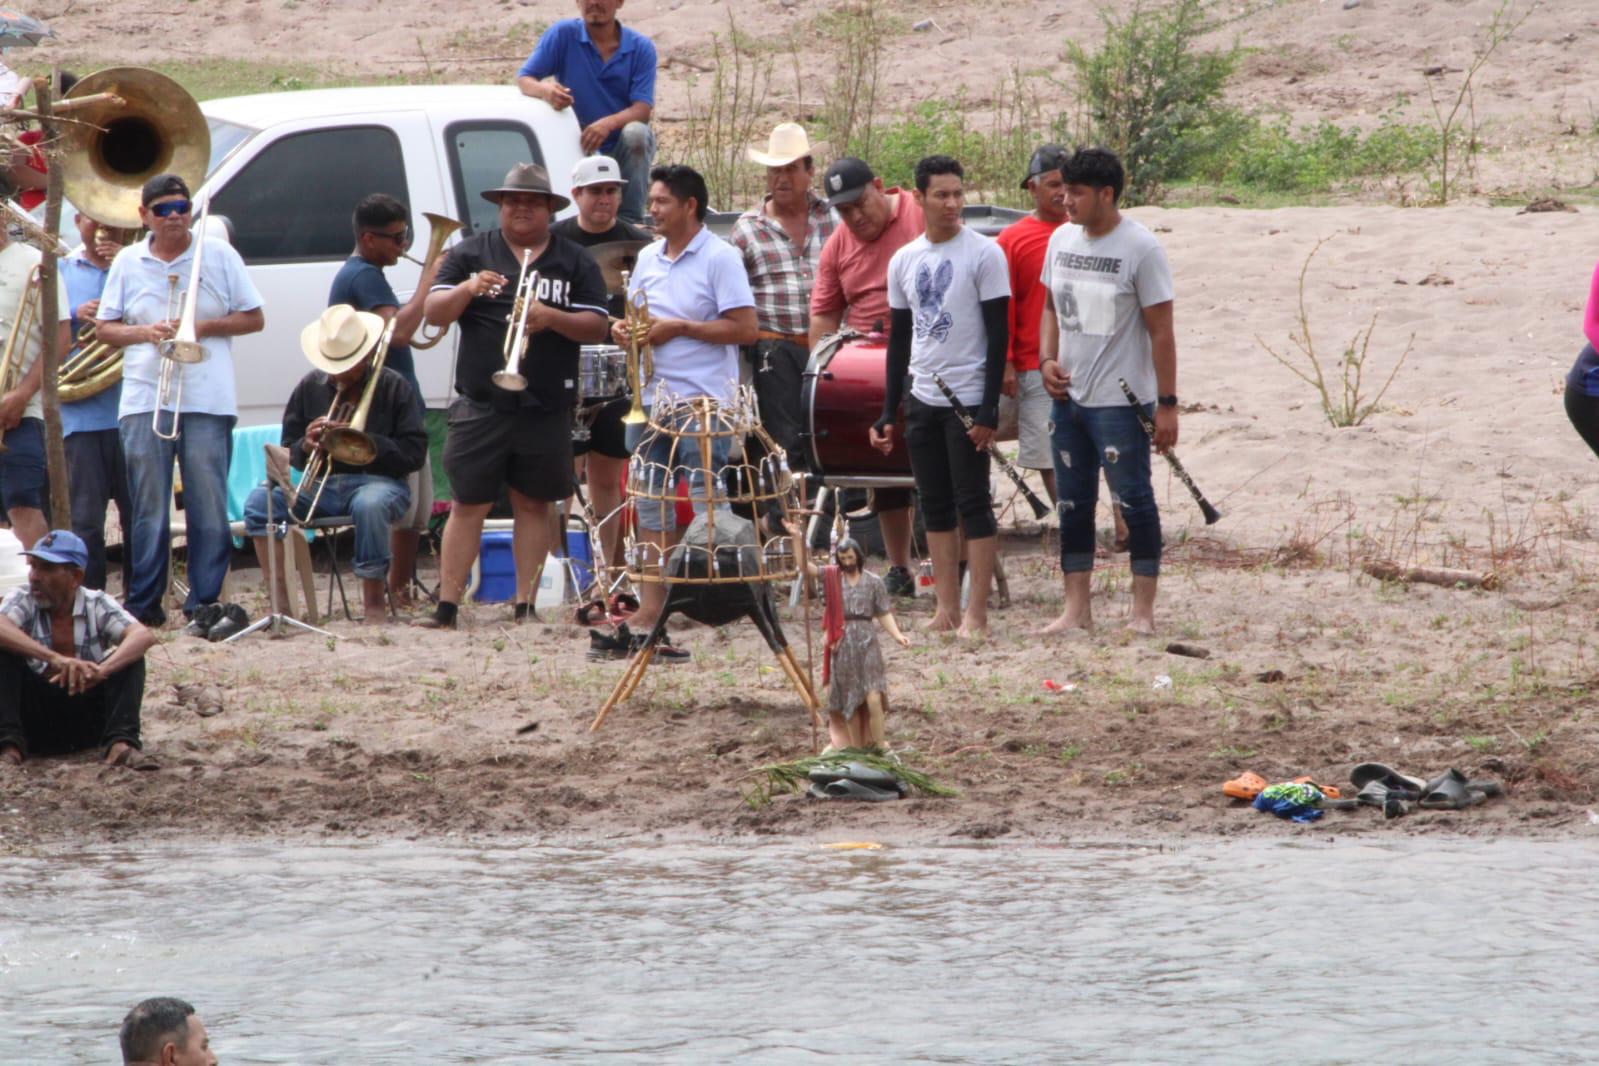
1260	952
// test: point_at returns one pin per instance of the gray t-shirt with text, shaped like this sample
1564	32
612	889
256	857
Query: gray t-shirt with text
1099	288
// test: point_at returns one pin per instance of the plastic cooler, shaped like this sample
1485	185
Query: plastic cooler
494	577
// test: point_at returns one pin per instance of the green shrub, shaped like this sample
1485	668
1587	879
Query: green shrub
1148	89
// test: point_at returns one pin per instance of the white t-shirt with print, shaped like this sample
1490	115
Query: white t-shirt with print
942	285
1099	288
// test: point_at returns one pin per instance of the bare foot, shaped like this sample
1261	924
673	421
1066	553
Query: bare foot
968	631
1069	621
1144	627
10	755
119	753
941	623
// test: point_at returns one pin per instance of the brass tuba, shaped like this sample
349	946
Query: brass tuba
152	126
440	229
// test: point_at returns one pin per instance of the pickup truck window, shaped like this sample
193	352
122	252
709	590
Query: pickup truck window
292	202
481	154
225	137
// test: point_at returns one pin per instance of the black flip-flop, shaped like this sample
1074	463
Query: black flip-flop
1394	802
1367	772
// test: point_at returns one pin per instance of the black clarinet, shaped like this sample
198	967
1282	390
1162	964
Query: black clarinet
1040	508
1212	516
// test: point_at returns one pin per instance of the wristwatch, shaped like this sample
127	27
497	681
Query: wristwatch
1167	401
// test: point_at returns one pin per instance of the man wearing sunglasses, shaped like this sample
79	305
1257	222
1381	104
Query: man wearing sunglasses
137	313
382	234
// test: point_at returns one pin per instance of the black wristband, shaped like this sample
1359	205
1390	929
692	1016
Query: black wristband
1167	401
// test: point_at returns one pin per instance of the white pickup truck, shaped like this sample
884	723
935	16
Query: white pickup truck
287	169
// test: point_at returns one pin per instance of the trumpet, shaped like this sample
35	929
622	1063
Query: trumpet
527	285
440	229
17	340
640	360
186	346
348	443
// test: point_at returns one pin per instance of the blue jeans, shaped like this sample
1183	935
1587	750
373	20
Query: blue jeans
1086	439
373	503
204	449
662	469
634	152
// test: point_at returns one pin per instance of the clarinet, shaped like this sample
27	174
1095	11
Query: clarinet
1040	508
1212	516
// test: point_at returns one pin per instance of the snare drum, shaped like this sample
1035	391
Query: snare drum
841	396
601	374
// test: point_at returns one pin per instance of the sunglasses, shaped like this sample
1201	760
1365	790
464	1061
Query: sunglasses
168	208
403	237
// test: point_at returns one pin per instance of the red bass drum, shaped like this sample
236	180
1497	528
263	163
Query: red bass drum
842	396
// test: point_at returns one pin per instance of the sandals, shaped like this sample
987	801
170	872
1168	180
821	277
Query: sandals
1451	791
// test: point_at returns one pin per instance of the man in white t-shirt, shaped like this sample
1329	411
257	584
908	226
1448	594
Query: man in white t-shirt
1108	320
948	300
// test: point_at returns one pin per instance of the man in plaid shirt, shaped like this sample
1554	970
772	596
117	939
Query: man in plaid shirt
781	241
71	661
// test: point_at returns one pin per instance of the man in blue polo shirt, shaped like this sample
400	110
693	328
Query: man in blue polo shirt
94	447
605	73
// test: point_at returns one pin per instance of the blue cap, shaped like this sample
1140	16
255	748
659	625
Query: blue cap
61	546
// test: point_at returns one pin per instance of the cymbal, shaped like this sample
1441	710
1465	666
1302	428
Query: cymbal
614	258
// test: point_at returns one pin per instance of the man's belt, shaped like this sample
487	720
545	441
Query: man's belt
792	338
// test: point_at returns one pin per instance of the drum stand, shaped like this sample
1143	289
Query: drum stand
277	620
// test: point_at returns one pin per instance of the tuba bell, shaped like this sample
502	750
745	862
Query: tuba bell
113	148
440	229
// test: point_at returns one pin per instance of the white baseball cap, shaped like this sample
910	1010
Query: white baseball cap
597	170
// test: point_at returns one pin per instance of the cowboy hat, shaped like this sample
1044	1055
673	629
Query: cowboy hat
339	339
786	144
528	178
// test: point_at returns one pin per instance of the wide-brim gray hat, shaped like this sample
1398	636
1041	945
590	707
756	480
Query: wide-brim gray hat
528	178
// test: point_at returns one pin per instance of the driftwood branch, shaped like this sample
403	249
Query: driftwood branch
1448	577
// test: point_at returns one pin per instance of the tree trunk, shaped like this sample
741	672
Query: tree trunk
55	448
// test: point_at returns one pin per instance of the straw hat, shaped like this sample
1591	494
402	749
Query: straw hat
786	144
339	339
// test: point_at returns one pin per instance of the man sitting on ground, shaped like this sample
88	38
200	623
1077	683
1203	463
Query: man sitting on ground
165	1032
71	661
340	346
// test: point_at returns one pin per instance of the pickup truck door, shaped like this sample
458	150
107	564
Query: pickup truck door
288	196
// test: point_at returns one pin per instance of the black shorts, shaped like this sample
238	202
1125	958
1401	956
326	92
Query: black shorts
22	474
951	474
607	434
891	500
486	450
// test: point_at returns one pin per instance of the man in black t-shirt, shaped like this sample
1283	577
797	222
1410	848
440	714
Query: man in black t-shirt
597	190
498	438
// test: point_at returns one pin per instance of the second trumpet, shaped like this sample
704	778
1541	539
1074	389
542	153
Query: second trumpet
527	287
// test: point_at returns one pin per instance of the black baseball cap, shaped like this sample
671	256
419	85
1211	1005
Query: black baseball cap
845	180
163	185
1046	157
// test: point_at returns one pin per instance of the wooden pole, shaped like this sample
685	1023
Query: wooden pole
55	448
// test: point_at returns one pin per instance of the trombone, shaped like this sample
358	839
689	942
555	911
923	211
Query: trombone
185	347
640	358
17	340
440	229
527	285
348	443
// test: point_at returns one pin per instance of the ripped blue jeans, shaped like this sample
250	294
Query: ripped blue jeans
1086	440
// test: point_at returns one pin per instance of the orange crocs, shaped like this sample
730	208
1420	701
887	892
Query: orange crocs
1246	786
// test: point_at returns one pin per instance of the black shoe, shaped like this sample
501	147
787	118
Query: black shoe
603	647
156	619
665	650
204	617
900	582
233	620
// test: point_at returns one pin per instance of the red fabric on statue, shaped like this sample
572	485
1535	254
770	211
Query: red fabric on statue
832	616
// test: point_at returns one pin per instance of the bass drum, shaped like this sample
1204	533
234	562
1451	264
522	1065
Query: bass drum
842	396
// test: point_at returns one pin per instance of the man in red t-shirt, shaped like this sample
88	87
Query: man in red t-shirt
1023	244
852	285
